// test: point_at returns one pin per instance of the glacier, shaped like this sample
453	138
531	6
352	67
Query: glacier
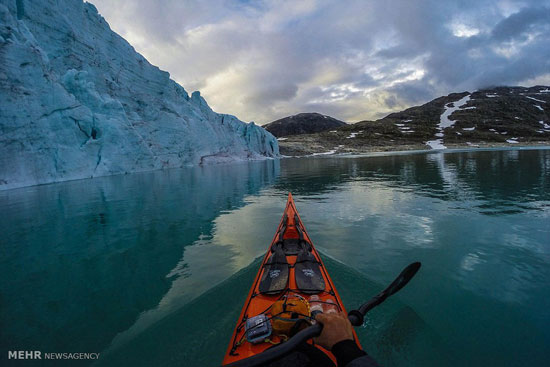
77	101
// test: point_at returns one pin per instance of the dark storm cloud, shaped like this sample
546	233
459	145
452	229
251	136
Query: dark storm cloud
521	23
516	49
262	60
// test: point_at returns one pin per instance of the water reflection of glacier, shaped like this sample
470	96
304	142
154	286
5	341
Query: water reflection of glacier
88	257
212	259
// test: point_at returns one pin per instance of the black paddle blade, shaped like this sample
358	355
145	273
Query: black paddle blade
307	273
402	279
275	276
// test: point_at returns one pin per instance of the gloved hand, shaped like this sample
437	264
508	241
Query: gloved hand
336	328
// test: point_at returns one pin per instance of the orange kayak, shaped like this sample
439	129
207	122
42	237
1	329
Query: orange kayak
292	274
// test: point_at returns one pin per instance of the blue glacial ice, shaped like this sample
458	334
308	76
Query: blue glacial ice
77	101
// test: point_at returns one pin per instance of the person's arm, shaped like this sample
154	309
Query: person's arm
337	336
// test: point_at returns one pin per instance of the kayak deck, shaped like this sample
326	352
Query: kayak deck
290	228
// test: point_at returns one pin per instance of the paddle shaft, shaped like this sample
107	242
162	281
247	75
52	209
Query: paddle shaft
280	350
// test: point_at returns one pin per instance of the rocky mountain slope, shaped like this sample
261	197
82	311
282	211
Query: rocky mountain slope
77	101
503	116
302	123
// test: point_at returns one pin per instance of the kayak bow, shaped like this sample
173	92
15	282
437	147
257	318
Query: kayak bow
292	280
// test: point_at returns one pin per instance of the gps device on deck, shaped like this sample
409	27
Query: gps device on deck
257	328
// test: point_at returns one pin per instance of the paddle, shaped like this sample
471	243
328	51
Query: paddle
355	317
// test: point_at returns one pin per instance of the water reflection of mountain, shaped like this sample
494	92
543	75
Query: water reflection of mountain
70	251
483	176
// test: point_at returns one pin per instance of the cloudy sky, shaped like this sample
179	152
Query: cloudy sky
351	59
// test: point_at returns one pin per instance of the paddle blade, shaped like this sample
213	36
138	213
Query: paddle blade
402	279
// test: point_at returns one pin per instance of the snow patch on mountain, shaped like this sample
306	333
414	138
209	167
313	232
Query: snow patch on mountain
446	122
535	99
77	101
353	135
436	144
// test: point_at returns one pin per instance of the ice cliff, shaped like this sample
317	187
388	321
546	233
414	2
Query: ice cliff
77	101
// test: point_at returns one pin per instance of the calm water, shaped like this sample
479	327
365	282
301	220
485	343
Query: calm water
152	269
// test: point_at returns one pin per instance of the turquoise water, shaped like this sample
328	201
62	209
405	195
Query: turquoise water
153	268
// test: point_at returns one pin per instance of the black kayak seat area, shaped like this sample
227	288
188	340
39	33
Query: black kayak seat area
307	273
292	246
275	277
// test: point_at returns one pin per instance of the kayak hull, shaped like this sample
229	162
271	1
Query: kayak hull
290	227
